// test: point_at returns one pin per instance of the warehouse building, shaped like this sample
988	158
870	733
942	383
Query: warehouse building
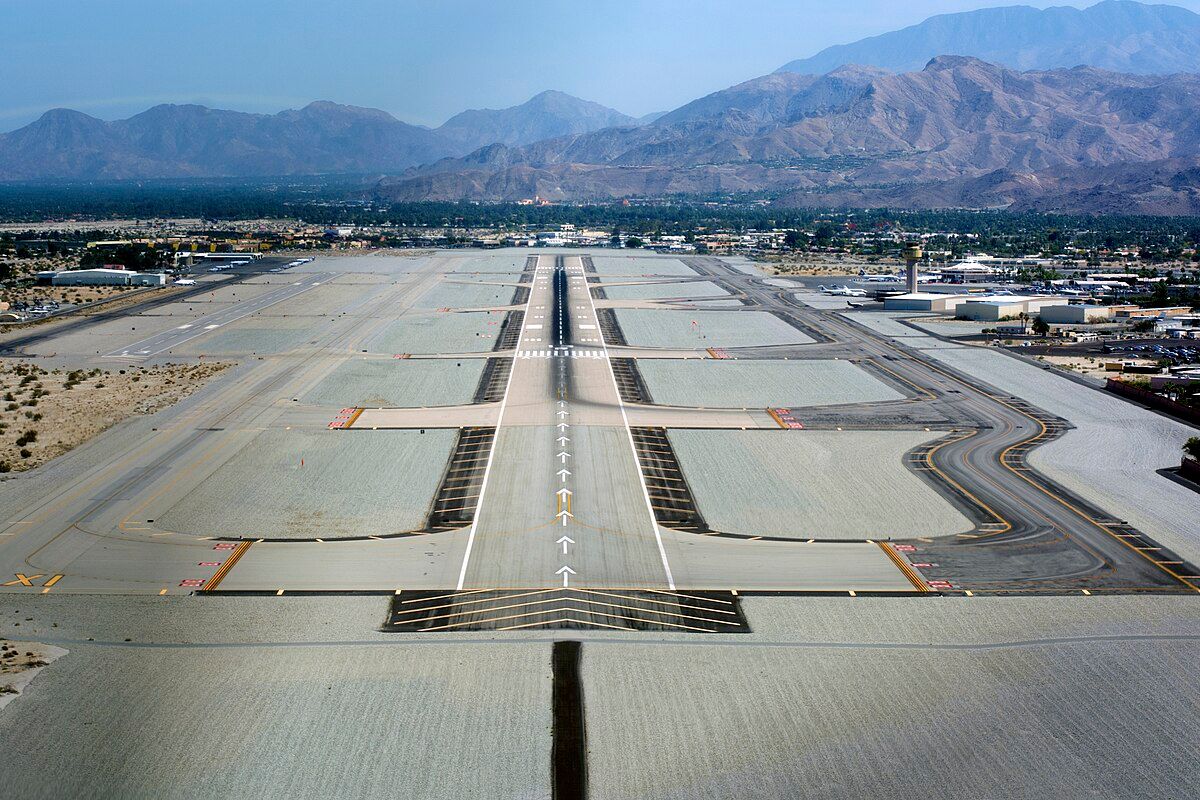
1075	314
924	301
991	309
102	276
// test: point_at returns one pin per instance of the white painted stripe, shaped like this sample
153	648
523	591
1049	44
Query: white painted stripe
637	465
487	469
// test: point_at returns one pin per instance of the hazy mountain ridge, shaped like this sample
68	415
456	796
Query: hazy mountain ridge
544	116
1118	35
169	141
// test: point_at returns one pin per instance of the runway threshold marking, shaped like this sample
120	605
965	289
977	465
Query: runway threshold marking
913	577
219	575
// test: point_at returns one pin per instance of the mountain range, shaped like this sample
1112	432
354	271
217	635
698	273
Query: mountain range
323	137
1117	35
1035	131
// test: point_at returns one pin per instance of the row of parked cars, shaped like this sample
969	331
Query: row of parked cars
1177	354
38	309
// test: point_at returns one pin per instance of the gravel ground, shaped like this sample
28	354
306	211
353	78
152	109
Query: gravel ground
652	328
466	295
794	484
952	327
888	324
654	291
640	265
446	721
512	264
351	484
326	300
882	697
726	302
252	337
1111	457
1045	721
473	332
398	383
761	383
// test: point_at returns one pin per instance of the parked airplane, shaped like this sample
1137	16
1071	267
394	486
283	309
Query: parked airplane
842	291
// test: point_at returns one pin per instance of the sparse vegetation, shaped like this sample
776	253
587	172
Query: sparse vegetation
79	404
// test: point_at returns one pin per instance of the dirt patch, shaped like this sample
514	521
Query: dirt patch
1091	366
45	413
19	663
826	265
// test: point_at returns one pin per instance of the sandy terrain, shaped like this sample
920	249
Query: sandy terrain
64	408
20	662
1091	366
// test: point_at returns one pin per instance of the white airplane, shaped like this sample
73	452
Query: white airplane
185	282
879	279
842	291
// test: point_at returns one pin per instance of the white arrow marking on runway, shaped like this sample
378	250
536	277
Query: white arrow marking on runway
563	456
561	403
562	426
563	515
564	492
563	473
565	540
565	571
562	413
562	440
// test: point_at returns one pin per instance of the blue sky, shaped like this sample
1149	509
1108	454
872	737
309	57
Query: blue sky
422	61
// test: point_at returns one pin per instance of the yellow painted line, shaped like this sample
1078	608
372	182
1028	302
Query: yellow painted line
53	580
1182	579
353	418
220	574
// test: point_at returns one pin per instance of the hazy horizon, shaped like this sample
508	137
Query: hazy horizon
441	59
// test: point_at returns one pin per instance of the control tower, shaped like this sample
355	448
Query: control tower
912	257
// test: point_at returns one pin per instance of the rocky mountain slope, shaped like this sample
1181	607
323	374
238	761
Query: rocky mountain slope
855	132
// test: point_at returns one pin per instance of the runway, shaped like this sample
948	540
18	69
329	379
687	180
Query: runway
163	342
571	481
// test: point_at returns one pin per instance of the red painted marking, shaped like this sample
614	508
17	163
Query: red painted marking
209	564
784	415
904	548
191	583
225	546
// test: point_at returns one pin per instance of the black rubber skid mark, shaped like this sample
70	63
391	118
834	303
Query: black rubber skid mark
568	760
